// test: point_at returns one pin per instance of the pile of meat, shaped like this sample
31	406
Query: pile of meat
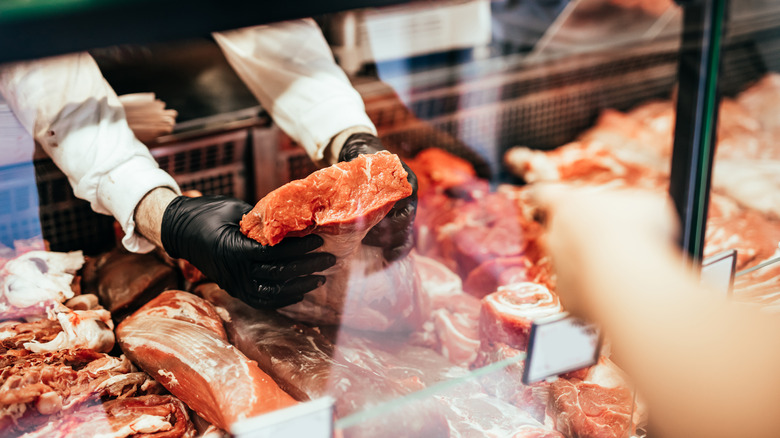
633	150
429	345
57	374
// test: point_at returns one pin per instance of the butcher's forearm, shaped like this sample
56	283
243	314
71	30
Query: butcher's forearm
149	213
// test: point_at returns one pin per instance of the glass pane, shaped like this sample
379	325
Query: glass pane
743	212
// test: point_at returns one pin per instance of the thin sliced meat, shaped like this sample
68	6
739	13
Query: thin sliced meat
179	339
506	315
342	203
152	416
34	386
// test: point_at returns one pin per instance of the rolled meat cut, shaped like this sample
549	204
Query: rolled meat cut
342	203
506	315
178	338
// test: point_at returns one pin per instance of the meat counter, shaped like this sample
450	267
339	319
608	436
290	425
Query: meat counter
433	345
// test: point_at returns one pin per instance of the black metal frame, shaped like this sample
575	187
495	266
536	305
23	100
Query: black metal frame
31	31
697	116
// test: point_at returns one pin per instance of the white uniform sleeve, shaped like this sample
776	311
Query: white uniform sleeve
70	109
289	67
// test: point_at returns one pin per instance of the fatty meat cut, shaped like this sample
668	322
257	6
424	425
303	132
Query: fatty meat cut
178	338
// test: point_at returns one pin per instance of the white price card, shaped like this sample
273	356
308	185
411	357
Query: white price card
717	272
560	344
312	419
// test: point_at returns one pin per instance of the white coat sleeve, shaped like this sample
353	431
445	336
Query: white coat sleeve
289	67
75	115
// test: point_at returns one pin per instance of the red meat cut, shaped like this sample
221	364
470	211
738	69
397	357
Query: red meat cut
341	204
587	410
179	340
506	315
347	197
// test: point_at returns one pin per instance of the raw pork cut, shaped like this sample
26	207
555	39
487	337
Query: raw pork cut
342	203
125	281
450	317
298	357
437	169
506	315
301	360
179	339
488	276
157	416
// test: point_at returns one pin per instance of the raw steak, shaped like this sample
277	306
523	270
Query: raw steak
158	416
506	315
179	339
346	198
342	203
125	281
437	169
587	410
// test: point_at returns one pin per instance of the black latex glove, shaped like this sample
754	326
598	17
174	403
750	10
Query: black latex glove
205	231
394	232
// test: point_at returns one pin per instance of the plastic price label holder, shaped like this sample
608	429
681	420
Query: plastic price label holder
717	272
312	419
560	344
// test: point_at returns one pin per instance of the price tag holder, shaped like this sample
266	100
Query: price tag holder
312	419
558	345
718	271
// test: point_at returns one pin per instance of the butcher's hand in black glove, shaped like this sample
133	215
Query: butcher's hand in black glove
205	231
394	232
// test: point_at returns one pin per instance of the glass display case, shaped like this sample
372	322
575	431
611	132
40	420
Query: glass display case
481	100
